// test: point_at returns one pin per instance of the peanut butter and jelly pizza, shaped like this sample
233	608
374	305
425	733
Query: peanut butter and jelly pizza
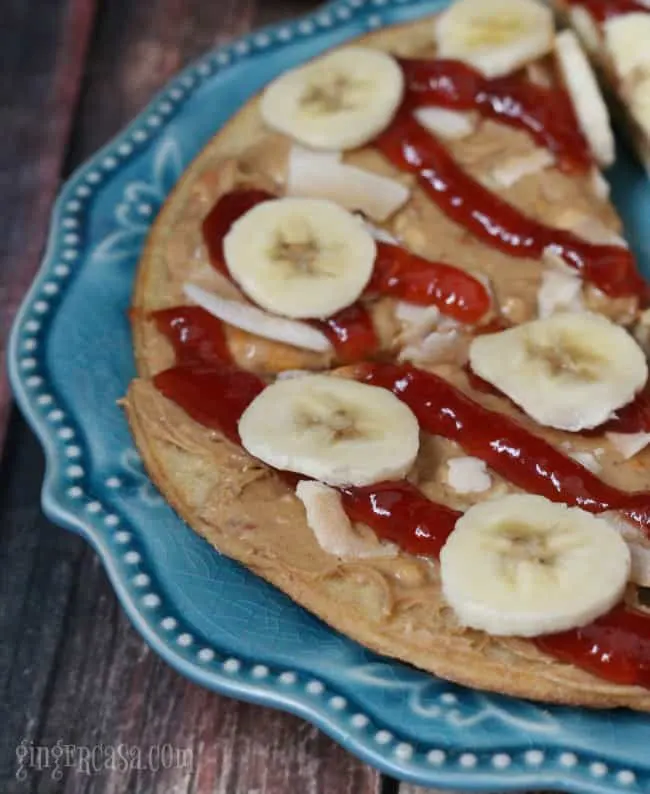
391	348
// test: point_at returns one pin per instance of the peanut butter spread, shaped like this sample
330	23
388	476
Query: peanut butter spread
392	604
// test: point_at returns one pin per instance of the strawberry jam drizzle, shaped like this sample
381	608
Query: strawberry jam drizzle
216	392
216	225
397	272
410	147
545	113
615	647
405	275
525	460
602	10
197	336
351	332
390	508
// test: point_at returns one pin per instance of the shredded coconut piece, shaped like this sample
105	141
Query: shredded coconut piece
436	348
468	475
559	291
416	321
331	526
256	321
586	459
446	123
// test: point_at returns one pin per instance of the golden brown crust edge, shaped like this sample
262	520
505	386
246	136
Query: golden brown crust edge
534	678
529	675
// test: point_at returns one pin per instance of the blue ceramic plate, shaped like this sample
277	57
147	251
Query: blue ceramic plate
70	361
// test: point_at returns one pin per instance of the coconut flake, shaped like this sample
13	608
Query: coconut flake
637	543
416	321
468	475
513	169
331	526
256	321
446	123
586	459
628	444
559	291
321	175
437	347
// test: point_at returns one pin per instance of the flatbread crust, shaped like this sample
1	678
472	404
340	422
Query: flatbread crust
392	606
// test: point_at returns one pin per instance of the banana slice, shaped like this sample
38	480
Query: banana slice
335	430
300	257
496	37
569	371
339	101
588	102
627	40
524	566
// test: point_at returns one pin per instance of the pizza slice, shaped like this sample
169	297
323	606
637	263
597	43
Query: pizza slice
616	33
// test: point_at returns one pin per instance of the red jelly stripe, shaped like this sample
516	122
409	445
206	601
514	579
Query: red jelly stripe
525	460
397	271
351	332
616	647
216	225
545	113
215	394
409	146
412	278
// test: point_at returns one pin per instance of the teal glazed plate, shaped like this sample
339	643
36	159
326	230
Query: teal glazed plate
70	360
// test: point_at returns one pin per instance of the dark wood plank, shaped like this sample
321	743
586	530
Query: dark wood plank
42	53
71	667
154	39
82	676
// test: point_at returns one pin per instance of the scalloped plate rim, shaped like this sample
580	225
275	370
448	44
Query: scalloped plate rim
218	680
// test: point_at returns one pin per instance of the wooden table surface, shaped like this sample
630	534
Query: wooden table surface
72	669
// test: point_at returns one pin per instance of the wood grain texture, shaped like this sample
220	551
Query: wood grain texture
43	45
73	670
